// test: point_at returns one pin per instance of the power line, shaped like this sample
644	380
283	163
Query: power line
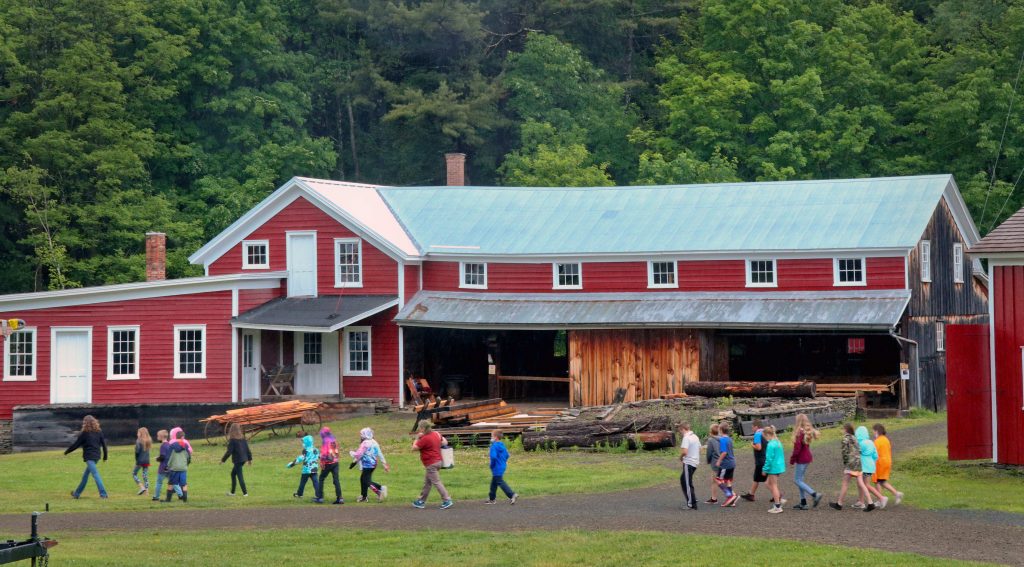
1007	200
1002	137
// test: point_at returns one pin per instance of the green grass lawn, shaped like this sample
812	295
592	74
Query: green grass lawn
31	479
316	546
930	481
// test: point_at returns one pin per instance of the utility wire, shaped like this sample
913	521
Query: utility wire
1007	200
1002	137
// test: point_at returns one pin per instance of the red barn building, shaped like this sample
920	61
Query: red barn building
988	371
574	294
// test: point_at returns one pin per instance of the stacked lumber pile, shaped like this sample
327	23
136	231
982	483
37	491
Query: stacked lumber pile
267	414
470	423
851	390
751	389
650	433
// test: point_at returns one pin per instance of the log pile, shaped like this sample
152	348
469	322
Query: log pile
266	414
471	423
650	433
750	389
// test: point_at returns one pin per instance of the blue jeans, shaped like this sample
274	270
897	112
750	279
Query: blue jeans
90	469
798	478
496	482
160	479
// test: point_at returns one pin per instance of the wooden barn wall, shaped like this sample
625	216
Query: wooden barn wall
941	300
714	357
645	362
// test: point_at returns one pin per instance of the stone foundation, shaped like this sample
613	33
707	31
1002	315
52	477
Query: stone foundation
6	443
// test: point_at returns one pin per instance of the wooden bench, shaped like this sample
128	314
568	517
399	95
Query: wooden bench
280	380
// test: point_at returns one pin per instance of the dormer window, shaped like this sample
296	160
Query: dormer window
255	254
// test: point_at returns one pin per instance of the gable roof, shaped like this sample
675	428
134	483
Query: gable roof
1006	238
846	214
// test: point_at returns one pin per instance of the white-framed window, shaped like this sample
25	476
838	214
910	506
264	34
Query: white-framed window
312	348
123	353
958	263
940	336
190	351
20	356
925	250
358	355
348	262
849	272
567	275
255	254
761	273
662	274
473	275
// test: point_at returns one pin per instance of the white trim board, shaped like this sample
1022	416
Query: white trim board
139	290
663	256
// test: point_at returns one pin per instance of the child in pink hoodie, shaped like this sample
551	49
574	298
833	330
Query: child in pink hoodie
367	456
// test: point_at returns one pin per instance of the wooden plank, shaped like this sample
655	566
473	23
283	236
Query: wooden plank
563	379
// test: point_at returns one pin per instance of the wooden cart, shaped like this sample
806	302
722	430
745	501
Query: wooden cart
278	419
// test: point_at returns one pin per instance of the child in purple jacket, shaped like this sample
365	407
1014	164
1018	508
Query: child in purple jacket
162	472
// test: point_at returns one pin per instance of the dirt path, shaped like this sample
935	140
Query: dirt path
959	535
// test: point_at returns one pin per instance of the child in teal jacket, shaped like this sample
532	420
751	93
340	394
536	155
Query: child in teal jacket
774	465
310	459
868	460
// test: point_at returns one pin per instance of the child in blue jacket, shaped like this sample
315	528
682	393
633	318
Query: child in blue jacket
310	459
499	462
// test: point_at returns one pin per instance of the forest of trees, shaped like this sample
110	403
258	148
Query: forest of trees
119	117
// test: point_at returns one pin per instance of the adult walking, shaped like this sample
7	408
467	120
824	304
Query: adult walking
690	456
428	443
91	440
803	434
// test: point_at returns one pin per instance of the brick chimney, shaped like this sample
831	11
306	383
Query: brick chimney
456	164
156	256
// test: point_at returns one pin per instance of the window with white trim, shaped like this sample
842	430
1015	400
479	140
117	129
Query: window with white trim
925	251
20	356
661	274
348	268
940	336
848	272
761	273
255	254
958	263
357	351
312	348
473	275
123	353
190	351
567	275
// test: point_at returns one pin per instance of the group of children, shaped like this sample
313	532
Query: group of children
867	462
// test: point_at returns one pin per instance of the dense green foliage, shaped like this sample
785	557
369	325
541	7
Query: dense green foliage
122	116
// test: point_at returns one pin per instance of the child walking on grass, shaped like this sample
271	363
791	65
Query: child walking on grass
143	443
329	462
883	469
774	465
499	464
803	434
851	469
161	472
238	450
178	460
368	455
310	460
868	458
712	459
91	440
727	465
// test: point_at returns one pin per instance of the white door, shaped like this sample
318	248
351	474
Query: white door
250	365
71	366
317	358
301	264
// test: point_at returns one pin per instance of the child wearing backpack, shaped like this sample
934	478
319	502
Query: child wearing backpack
367	455
180	457
310	460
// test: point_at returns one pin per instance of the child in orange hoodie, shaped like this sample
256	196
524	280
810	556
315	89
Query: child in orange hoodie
884	466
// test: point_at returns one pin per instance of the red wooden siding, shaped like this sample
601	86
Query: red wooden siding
384	365
412	281
1008	287
380	271
252	298
813	274
156	319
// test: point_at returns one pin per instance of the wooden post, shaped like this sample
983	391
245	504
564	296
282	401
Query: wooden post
493	361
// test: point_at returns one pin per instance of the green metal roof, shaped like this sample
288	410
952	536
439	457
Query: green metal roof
890	212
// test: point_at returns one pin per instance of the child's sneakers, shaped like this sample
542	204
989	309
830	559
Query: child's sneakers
489	501
230	493
817	499
730	502
339	501
711	500
142	491
515	496
883	502
748	497
318	501
775	510
899	498
361	499
858	506
73	495
801	507
835	505
419	504
447	504
383	494
869	507
296	495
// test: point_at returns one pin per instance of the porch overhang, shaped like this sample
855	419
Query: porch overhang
841	310
323	314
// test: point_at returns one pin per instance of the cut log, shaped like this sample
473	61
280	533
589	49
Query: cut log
750	389
649	440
